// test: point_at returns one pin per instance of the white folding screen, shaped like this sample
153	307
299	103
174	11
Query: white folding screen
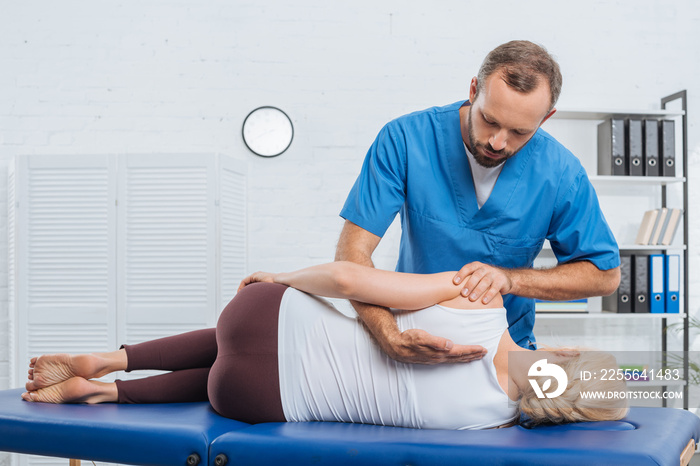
120	249
64	244
232	231
166	245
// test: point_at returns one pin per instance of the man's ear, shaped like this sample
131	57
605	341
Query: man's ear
552	112
472	90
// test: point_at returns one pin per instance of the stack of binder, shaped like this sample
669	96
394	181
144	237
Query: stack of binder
649	283
636	147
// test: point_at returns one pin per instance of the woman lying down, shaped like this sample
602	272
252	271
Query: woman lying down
282	353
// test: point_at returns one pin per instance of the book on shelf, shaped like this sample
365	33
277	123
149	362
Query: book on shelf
658	227
578	305
667	235
647	226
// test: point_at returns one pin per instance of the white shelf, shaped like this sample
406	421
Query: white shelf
580	114
639	180
606	315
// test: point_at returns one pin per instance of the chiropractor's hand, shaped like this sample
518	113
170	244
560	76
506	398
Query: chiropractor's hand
257	277
419	347
483	281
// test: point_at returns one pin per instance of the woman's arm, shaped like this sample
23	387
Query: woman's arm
369	285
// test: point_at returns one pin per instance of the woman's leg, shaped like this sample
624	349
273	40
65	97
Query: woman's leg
190	355
242	384
182	386
244	380
185	351
189	350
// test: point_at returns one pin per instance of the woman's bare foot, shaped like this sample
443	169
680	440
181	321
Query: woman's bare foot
74	390
51	369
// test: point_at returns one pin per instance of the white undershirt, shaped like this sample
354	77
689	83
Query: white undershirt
484	178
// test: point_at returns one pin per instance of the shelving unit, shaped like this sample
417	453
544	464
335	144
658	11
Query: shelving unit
662	182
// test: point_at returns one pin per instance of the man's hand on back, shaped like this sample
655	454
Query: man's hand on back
419	347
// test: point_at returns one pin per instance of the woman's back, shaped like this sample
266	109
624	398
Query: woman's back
461	395
331	369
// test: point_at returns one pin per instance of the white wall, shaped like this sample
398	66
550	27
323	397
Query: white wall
93	77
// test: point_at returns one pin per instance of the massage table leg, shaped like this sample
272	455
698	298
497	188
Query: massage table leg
688	453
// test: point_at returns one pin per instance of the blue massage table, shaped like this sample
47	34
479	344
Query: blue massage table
192	434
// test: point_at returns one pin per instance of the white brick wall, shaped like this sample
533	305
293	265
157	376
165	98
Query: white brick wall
180	76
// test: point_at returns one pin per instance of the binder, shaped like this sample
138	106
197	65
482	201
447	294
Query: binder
646	228
657	300
667	147
624	295
671	225
634	148
611	147
641	283
659	225
651	147
621	300
673	283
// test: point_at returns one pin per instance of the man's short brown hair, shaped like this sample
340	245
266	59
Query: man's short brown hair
522	65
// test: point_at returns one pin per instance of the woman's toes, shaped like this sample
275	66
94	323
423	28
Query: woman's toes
29	396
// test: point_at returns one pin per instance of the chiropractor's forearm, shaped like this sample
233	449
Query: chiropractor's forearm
574	280
357	245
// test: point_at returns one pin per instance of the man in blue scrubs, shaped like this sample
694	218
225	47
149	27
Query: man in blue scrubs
479	187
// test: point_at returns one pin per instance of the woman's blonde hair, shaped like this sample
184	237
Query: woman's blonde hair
570	406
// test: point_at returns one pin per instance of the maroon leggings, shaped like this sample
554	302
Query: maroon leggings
234	366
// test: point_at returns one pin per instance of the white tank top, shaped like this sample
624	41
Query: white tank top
331	370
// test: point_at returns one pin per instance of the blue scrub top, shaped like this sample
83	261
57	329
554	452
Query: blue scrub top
418	166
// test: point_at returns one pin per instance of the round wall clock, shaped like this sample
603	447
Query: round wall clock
267	131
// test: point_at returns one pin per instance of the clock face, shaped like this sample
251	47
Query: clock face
267	131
